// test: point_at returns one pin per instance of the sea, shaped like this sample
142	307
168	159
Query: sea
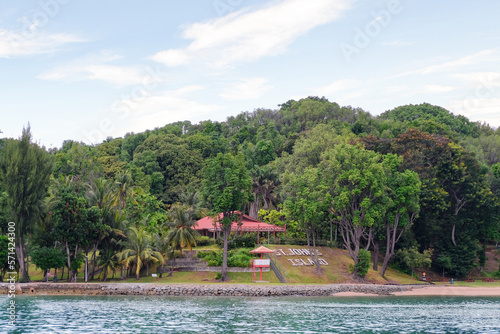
157	314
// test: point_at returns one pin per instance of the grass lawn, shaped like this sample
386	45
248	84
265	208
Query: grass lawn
336	272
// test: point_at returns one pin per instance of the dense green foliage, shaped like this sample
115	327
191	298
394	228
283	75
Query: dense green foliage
362	263
414	179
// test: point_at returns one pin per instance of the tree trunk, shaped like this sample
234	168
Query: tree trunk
45	275
331	231
453	235
93	260
20	259
254	208
314	255
137	269
105	274
68	258
389	250
224	276
376	249
74	274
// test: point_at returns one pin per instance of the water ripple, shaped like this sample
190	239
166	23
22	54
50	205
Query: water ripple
127	314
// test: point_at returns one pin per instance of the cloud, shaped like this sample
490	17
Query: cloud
246	89
248	36
397	42
459	64
437	89
16	43
169	106
96	68
485	109
345	90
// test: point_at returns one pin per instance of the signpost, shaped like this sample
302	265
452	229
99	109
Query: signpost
260	263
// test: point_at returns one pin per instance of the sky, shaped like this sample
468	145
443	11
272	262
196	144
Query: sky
88	70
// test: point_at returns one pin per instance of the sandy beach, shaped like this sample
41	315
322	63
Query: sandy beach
450	290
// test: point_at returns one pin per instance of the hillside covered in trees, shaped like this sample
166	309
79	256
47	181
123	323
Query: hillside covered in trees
413	179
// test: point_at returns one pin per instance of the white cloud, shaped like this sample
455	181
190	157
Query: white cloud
248	36
246	89
397	42
478	109
459	64
437	89
96	68
15	43
169	106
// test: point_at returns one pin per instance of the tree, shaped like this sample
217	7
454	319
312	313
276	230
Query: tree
404	196
363	263
25	172
181	234
138	250
46	258
225	189
4	256
307	204
356	182
496	170
76	225
264	182
412	258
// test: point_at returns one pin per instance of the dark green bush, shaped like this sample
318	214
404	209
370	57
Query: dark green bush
363	262
205	241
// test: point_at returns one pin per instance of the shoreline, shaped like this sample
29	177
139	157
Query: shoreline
248	290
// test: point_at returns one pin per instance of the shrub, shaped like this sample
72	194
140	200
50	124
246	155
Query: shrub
205	241
247	240
235	258
363	262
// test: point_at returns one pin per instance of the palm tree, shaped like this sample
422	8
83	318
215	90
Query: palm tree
182	234
107	261
100	193
125	188
162	245
138	250
264	182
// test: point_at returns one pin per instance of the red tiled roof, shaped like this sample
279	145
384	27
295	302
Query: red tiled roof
249	224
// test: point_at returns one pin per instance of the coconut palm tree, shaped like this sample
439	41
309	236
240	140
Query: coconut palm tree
162	245
107	261
100	193
138	250
125	188
182	234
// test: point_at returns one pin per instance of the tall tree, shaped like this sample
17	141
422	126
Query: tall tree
356	183
306	203
25	172
264	182
225	188
404	196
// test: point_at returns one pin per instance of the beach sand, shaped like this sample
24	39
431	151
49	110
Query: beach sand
450	290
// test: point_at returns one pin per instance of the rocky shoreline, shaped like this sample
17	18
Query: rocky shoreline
248	290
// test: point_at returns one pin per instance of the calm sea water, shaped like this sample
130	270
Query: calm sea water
126	314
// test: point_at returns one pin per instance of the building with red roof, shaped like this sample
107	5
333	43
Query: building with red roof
207	227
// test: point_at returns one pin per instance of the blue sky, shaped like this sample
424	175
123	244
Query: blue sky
86	70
